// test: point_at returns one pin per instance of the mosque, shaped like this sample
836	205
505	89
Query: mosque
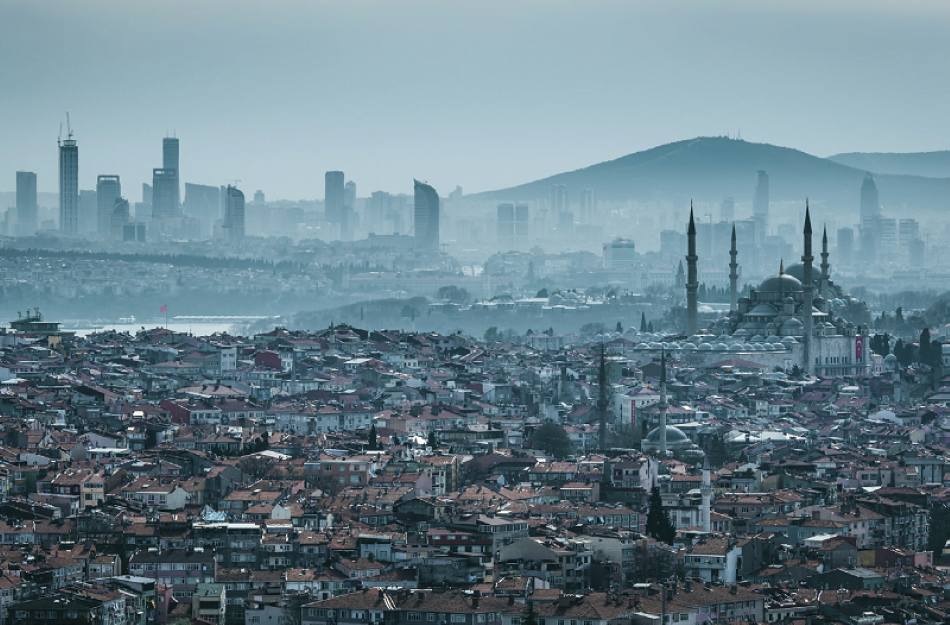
792	318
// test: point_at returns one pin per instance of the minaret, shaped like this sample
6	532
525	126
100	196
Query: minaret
692	280
825	266
808	287
733	273
663	405
706	490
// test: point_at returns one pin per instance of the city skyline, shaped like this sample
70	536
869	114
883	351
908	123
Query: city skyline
499	105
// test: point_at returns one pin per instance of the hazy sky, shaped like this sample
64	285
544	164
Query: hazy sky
483	94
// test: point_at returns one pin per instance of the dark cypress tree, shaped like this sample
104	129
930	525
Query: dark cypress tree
373	441
659	525
643	322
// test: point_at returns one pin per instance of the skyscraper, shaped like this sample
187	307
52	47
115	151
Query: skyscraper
349	194
26	203
170	161
69	185
234	214
870	201
118	218
164	193
426	217
727	209
108	188
760	203
333	196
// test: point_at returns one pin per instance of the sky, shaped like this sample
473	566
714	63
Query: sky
482	94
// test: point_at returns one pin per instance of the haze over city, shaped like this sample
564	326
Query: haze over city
474	313
484	95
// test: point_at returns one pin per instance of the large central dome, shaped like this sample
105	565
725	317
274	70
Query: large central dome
782	283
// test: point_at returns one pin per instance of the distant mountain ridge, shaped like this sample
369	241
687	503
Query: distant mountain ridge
927	164
708	168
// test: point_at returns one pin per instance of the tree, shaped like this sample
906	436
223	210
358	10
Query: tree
292	607
373	443
454	294
553	440
643	321
491	335
256	466
650	328
619	329
925	346
543	293
432	442
659	524
590	329
530	617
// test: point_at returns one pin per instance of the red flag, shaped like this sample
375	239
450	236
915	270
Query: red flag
163	308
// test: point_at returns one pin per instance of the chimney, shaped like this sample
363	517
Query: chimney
511	599
475	602
733	589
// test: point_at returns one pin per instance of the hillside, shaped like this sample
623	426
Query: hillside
927	164
708	168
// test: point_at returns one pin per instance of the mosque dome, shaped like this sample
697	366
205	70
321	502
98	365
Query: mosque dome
705	347
720	347
688	346
890	358
782	283
792	325
758	338
640	346
673	435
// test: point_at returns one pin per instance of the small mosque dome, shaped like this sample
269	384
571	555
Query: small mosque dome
705	347
890	358
742	332
688	346
720	347
673	345
758	338
788	340
736	347
695	339
656	345
641	346
792	325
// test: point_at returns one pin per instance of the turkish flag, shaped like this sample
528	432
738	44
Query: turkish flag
163	308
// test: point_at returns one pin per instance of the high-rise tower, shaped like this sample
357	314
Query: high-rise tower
108	189
808	286
870	200
164	195
692	278
733	272
26	203
68	183
170	162
234	214
333	196
426	217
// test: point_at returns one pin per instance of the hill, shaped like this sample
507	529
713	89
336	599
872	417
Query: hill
927	164
708	168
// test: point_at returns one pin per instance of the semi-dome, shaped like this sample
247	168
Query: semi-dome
792	324
782	283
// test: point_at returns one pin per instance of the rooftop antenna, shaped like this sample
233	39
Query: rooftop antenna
69	128
59	139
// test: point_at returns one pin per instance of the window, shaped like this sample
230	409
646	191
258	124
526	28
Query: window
480	618
415	616
458	618
430	616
